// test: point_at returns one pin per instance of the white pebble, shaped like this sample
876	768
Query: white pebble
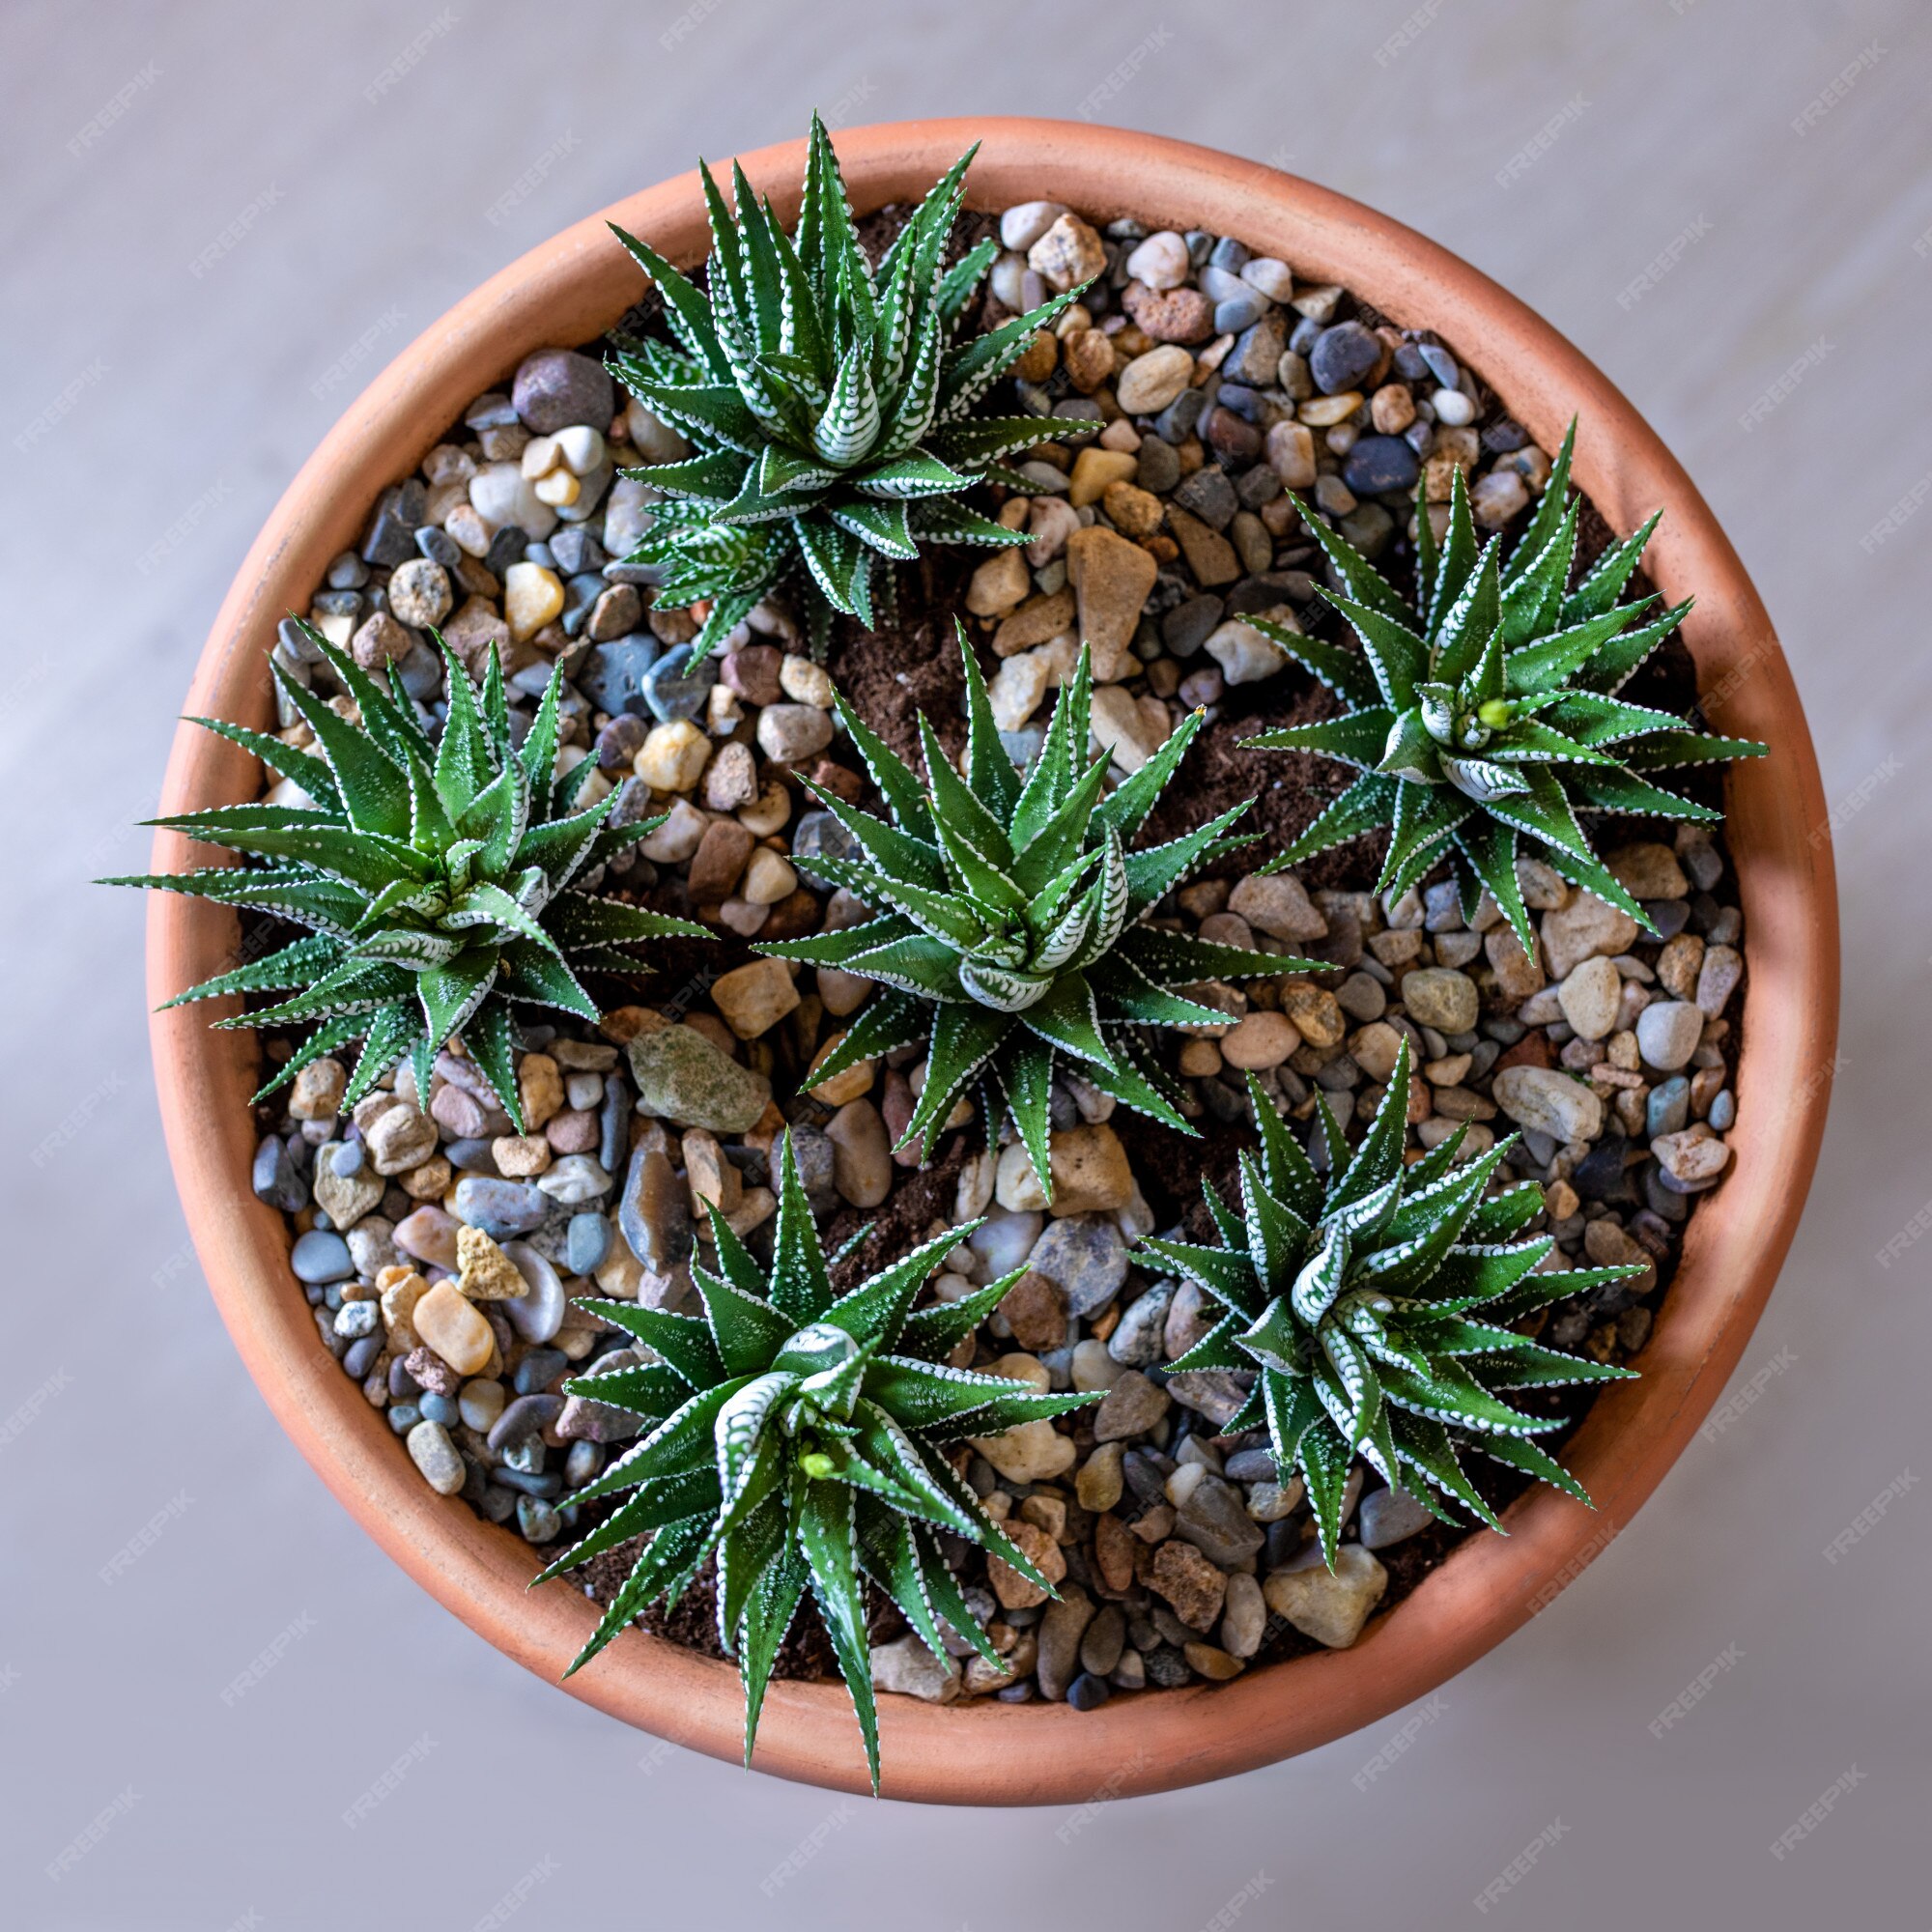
1022	226
1160	261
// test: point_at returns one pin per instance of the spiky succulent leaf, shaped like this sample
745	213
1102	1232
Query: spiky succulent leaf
1498	720
1360	1305
799	1435
437	878
834	413
1014	921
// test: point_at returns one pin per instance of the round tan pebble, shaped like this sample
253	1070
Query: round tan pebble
998	585
1201	1059
1131	510
453	1328
1591	998
862	1161
756	997
398	1138
1041	357
519	1156
1017	1592
790	733
1094	468
419	592
317	1092
1211	1661
768	811
427	1180
768	878
435	1455
731	778
842	992
468	531
1496	497
849	1085
1150	381
1161	261
673	757
1440	997
580	448
1392	409
805	682
533	596
1289	448
1315	1014
1259	1041
1325	411
742	917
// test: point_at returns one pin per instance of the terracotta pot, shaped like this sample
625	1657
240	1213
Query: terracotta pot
568	291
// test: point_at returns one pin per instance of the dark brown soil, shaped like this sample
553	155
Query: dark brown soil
692	1621
922	1197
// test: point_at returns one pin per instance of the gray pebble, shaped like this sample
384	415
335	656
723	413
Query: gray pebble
556	387
527	1416
1088	1692
1085	1258
1343	357
1668	1107
1159	467
537	1521
538	1368
321	1257
674	691
1391	1515
587	1243
501	1209
613	675
1209	496
1189	624
274	1179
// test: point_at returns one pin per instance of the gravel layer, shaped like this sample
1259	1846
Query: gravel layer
441	1252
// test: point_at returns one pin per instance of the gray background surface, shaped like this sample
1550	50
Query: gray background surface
153	415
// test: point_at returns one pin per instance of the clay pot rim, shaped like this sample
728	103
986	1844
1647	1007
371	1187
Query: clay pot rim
568	290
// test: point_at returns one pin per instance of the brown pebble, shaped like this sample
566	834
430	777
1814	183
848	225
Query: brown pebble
719	859
1036	1309
753	672
1113	1549
1174	315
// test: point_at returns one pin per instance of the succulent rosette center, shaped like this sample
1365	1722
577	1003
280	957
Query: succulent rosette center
1014	923
832	410
1374	1309
441	875
795	1440
1486	715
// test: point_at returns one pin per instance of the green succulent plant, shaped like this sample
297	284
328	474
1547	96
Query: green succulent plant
835	415
435	878
1484	718
1375	1310
796	1437
1014	923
